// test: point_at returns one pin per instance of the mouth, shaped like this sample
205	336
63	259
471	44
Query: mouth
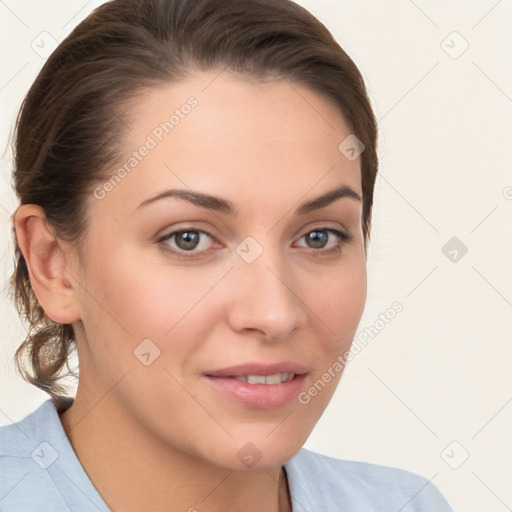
258	386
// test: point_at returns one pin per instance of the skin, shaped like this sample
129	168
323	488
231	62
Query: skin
267	147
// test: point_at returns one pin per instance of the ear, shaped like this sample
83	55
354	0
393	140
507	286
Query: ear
51	277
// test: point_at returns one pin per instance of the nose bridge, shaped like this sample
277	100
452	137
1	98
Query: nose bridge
266	298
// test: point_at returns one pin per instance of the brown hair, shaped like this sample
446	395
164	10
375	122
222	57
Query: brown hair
71	121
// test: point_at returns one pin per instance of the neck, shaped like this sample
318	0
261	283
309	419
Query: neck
122	459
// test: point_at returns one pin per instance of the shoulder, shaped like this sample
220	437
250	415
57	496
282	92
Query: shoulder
18	440
351	485
28	448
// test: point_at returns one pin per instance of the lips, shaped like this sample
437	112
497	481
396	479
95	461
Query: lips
258	385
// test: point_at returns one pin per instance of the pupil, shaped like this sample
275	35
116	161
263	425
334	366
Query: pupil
190	239
318	238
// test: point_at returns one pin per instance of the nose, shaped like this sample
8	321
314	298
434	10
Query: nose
265	297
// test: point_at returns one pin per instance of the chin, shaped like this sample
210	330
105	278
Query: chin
255	452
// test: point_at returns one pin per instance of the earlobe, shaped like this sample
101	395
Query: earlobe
50	278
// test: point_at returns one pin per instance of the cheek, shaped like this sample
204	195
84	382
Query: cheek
338	305
133	298
338	309
136	299
144	299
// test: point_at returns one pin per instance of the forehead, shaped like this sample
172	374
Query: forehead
234	137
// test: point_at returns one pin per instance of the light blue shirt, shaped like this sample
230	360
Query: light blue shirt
40	472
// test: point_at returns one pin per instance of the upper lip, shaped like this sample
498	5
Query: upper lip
258	369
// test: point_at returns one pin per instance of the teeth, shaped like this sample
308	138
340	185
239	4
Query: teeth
256	379
277	378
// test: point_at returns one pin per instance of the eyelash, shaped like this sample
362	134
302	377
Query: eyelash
342	237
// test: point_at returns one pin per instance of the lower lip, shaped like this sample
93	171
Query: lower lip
258	396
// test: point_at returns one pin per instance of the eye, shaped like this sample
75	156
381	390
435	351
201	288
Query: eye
186	240
318	238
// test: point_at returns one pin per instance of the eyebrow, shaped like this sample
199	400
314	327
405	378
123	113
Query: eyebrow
224	206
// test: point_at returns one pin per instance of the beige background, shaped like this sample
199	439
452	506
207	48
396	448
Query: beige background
434	384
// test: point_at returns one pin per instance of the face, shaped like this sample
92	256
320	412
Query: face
175	295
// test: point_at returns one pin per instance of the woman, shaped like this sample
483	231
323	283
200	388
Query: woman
195	182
